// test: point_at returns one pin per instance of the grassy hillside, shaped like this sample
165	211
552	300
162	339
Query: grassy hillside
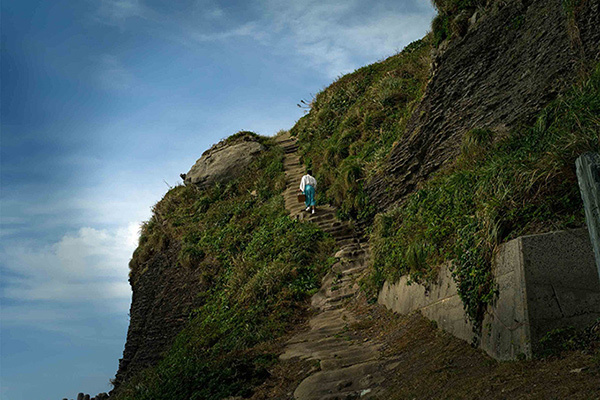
501	186
258	267
353	124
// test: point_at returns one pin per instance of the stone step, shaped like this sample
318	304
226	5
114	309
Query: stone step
353	382
350	355
315	349
346	242
342	231
323	217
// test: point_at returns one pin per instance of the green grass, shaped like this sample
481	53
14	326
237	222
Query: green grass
259	267
500	187
352	125
452	18
557	341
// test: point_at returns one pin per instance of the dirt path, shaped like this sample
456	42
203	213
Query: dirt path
348	368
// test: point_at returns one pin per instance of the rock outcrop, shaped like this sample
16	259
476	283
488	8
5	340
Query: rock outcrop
225	160
163	297
509	65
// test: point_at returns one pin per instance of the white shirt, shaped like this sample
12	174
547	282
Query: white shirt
308	180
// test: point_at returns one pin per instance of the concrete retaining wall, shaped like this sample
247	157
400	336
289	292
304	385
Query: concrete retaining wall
545	281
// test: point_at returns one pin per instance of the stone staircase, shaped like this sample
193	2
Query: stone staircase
349	369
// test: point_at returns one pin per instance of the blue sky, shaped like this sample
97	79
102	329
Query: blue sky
104	104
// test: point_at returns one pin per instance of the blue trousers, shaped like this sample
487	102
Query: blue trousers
309	192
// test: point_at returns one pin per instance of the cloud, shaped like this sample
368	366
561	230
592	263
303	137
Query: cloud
86	267
331	36
112	75
118	11
250	29
338	36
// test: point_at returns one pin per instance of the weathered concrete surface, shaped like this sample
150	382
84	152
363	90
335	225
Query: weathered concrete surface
588	175
224	161
561	281
438	301
544	281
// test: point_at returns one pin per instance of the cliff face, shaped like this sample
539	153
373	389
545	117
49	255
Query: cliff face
164	293
163	297
510	64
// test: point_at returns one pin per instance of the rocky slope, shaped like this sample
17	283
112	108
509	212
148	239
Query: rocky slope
512	62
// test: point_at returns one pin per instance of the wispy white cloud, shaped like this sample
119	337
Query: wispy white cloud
250	29
85	267
338	36
118	11
331	36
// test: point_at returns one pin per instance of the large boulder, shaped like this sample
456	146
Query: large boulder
225	160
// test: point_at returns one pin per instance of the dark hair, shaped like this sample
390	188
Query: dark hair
309	171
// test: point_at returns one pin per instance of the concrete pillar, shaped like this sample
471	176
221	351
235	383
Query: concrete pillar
588	175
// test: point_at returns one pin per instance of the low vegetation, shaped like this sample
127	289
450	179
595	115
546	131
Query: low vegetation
259	267
353	124
558	341
500	187
452	20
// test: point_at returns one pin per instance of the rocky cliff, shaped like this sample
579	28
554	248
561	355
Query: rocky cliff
164	293
512	61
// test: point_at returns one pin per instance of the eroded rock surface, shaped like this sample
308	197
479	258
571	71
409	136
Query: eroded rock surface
224	161
510	64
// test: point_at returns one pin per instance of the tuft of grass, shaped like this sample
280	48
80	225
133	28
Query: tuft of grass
452	18
500	187
557	341
258	267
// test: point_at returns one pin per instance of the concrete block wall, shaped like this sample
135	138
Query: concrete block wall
545	282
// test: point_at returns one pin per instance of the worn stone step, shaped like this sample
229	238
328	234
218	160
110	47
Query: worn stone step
350	355
339	232
341	383
323	217
315	349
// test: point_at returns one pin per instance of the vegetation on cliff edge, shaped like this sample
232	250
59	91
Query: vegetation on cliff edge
259	267
353	124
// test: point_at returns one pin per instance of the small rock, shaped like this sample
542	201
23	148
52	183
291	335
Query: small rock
473	18
366	380
343	384
578	370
